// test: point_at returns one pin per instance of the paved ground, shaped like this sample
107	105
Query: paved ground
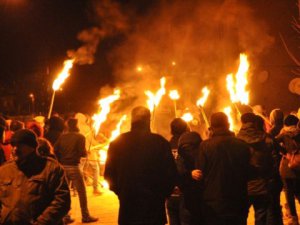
106	206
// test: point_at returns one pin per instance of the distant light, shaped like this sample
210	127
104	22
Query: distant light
139	69
173	63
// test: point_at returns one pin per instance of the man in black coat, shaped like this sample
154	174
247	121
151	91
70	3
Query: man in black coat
141	171
224	162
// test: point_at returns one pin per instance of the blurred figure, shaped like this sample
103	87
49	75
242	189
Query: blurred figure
177	213
56	127
36	128
34	189
289	137
89	164
191	188
225	163
274	216
69	148
276	119
261	159
45	149
141	171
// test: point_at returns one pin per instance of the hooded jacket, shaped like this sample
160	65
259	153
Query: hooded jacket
289	137
261	147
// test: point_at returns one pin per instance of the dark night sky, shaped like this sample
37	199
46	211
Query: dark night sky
36	34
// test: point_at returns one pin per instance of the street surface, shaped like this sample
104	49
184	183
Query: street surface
105	207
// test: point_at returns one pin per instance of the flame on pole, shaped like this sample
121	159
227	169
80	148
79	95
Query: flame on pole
237	86
200	103
174	95
187	117
228	112
154	99
104	103
62	76
117	131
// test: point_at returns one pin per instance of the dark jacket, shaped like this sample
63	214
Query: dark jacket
140	169
69	148
34	192
225	163
192	190
261	147
289	137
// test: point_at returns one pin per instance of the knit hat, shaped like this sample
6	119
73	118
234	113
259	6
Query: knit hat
178	126
291	120
24	136
192	138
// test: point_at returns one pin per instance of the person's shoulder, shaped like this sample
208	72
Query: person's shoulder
159	137
7	166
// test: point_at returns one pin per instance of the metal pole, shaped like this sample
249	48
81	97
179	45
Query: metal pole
204	116
51	104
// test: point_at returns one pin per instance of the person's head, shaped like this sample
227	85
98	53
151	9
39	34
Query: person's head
24	142
36	128
219	120
248	118
56	123
291	120
276	117
16	125
72	125
140	116
44	147
178	126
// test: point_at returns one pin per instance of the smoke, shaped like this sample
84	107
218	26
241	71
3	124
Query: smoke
203	38
110	22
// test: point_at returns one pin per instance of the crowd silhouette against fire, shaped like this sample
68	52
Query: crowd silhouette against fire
191	179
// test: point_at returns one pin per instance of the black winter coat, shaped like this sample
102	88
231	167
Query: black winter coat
141	171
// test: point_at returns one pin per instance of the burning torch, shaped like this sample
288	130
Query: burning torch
200	103
64	74
173	94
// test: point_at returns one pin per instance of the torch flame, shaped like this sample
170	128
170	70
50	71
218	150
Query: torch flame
105	109
117	131
187	117
205	92
154	99
64	74
174	95
228	112
237	90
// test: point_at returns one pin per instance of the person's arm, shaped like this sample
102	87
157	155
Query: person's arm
61	201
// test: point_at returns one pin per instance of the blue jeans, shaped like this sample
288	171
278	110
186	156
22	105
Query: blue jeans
74	174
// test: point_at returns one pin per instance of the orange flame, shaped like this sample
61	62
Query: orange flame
104	103
154	99
228	112
237	90
174	95
64	74
187	117
205	92
117	131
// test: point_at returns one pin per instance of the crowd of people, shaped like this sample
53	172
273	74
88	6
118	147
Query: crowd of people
188	180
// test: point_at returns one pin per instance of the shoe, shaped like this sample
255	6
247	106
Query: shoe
89	219
97	192
68	220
